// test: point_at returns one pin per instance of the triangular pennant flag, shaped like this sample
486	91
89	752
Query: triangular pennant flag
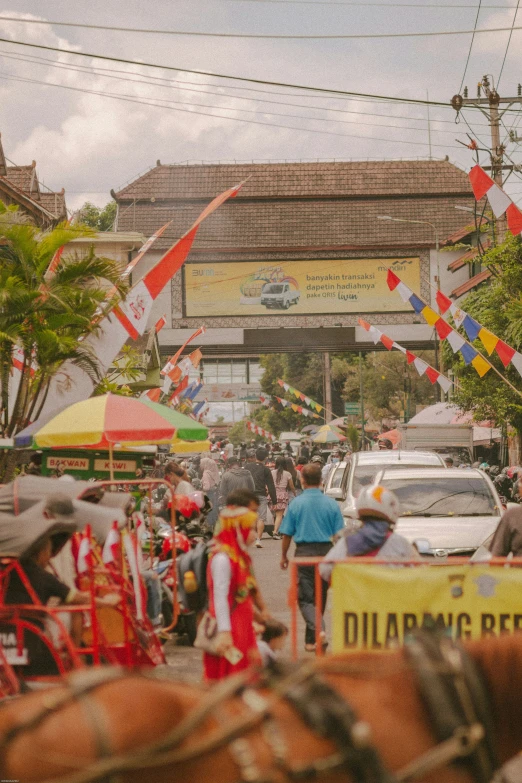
480	365
480	182
318	408
280	382
160	323
388	344
364	324
375	334
472	327
432	374
410	357
420	366
488	340
430	316
399	347
516	361
443	302
443	328
153	394
404	292
444	383
392	280
505	352
195	357
111	545
514	219
417	304
455	340
468	353
458	315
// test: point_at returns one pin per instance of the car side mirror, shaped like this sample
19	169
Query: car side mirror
423	546
335	492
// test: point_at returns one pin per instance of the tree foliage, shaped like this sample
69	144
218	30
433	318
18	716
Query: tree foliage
47	319
497	307
99	218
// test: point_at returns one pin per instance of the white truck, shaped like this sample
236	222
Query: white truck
279	295
452	440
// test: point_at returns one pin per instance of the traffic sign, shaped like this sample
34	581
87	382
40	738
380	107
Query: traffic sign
352	408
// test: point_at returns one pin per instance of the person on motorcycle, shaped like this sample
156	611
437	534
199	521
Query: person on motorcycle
503	485
378	509
507	538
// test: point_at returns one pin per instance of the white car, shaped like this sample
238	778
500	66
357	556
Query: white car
346	480
279	295
447	512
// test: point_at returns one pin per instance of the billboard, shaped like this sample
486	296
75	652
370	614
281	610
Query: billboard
296	287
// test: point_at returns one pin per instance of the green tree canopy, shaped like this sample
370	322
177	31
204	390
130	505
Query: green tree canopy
99	218
498	307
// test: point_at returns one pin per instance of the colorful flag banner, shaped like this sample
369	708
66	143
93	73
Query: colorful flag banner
297	408
173	360
444	330
490	341
257	430
420	365
300	395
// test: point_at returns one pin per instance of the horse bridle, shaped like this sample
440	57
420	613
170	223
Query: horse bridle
448	680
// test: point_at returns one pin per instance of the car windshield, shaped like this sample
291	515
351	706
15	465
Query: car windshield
434	497
273	289
364	475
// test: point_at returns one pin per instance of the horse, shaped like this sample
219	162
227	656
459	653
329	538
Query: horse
431	711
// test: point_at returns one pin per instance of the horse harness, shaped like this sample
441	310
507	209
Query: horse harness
449	682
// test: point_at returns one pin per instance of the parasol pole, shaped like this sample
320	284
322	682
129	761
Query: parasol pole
111	464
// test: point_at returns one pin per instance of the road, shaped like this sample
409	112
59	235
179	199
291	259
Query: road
273	583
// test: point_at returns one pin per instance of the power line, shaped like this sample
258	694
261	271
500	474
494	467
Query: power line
80	70
215	116
250	80
470	47
507	47
259	36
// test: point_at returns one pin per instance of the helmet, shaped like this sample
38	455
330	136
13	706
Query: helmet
318	459
494	471
376	501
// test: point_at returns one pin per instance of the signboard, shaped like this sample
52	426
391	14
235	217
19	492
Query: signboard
13	655
119	465
68	463
352	408
296	287
375	606
229	392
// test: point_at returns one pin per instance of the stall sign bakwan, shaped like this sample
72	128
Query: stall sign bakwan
296	287
376	606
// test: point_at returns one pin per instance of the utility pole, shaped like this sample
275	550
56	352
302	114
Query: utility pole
493	107
327	389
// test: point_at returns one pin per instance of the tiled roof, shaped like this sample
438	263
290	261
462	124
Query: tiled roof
463	232
473	282
54	203
463	260
24	178
354	179
297	223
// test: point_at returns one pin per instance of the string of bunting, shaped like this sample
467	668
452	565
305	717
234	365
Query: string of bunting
257	430
422	367
286	404
300	396
444	330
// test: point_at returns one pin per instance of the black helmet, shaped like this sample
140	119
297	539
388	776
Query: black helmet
318	458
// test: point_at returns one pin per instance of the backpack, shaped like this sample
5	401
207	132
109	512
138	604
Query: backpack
195	560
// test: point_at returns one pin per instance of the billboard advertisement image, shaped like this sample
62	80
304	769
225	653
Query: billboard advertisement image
296	287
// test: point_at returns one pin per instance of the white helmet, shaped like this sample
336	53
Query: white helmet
379	502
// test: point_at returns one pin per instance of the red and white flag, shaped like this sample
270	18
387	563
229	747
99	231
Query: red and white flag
483	185
151	394
173	360
111	548
131	550
160	323
84	559
72	383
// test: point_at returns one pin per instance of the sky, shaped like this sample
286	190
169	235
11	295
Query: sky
88	141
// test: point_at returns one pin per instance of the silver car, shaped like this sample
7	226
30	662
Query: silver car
346	479
447	512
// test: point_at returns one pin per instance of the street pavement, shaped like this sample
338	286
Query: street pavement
186	661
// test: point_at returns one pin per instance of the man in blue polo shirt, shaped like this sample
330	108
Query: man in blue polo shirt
312	520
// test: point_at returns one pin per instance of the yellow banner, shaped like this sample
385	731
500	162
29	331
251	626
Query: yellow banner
375	606
296	287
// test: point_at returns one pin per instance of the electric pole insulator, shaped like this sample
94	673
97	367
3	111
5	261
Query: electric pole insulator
457	102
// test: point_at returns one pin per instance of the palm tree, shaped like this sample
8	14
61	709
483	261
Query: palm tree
45	318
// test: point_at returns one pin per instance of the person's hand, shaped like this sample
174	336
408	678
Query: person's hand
111	599
223	642
265	615
284	563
